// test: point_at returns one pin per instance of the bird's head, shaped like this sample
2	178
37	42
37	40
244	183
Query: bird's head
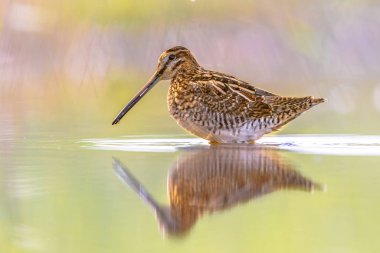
174	59
169	63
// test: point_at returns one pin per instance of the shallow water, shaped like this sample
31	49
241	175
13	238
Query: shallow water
72	183
289	193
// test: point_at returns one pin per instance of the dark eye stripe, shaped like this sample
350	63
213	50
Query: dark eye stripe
177	64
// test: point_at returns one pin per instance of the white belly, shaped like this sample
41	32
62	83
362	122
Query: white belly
247	133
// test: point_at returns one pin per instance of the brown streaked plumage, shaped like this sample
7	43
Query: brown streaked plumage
207	180
219	107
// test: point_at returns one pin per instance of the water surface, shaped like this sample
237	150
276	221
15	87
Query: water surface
288	193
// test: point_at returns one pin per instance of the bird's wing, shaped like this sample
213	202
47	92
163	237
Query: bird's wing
230	96
240	97
225	83
265	93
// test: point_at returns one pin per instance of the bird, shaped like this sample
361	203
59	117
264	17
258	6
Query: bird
217	178
219	107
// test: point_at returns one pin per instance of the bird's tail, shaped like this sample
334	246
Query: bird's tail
316	101
288	108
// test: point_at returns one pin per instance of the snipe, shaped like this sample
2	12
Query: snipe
219	107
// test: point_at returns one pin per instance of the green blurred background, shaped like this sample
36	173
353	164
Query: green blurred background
83	60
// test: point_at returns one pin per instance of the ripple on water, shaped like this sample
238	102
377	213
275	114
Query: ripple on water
343	145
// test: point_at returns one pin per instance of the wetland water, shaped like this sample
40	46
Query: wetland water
72	183
288	193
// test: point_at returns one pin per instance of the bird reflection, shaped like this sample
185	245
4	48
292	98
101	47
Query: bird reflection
217	178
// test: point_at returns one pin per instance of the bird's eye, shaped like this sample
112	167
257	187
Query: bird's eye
171	56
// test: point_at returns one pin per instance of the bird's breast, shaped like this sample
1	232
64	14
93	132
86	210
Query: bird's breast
182	98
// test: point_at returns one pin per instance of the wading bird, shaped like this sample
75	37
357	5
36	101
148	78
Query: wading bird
218	107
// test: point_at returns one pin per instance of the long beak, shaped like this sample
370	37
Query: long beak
155	78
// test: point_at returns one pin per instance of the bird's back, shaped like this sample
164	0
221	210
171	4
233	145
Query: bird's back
223	109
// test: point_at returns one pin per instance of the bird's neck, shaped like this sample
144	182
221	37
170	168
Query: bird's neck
185	71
